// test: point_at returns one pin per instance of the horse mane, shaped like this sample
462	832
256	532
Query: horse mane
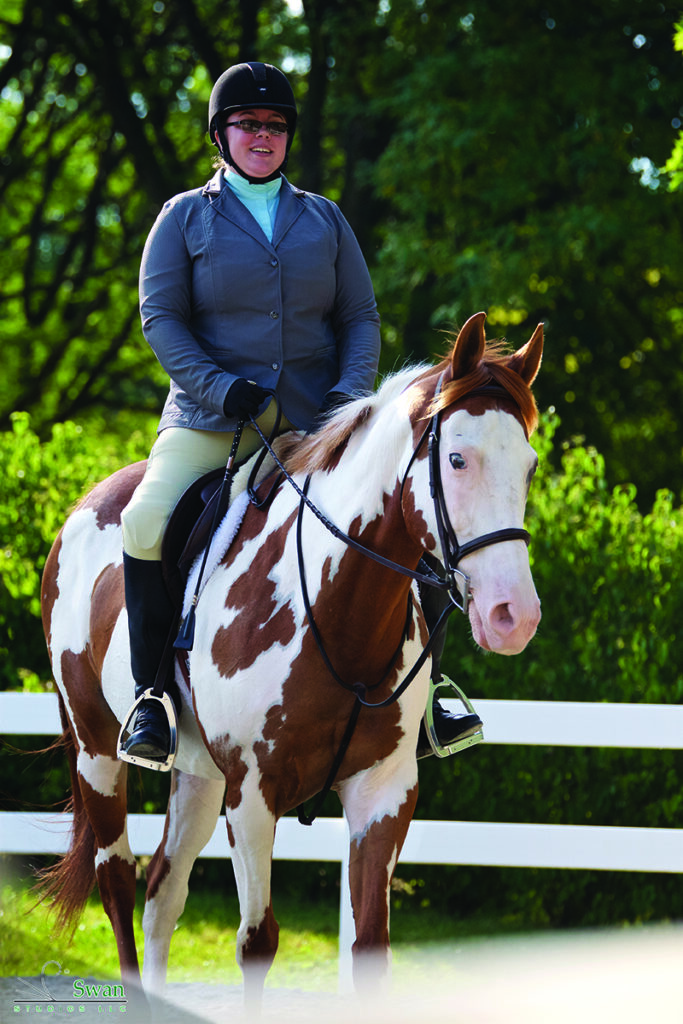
322	450
493	368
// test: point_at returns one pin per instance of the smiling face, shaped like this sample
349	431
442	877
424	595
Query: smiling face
261	154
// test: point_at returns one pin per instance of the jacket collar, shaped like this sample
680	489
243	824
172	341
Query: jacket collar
224	202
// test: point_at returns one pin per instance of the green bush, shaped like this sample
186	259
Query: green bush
611	593
41	483
612	598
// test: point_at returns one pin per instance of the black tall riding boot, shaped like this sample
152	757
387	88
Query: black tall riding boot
448	727
150	617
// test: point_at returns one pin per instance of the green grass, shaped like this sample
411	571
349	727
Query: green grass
203	946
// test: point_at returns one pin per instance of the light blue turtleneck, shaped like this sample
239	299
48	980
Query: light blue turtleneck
261	200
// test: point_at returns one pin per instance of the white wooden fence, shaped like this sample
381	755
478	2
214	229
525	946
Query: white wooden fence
429	842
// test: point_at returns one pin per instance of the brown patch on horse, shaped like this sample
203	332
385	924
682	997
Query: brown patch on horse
159	866
107	813
292	772
116	882
238	645
261	942
493	369
234	768
475	362
370	871
95	722
111	496
105	607
415	519
234	776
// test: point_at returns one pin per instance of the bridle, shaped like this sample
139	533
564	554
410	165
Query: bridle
452	551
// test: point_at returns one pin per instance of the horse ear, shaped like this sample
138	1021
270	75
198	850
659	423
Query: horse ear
469	347
527	360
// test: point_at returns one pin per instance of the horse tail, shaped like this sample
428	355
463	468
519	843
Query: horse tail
67	884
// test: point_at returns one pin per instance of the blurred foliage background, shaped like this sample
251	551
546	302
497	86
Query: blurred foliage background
526	161
506	160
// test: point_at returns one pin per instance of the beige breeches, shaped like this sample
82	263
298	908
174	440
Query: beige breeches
178	458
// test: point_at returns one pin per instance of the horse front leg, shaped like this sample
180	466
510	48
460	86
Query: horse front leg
193	809
379	806
251	833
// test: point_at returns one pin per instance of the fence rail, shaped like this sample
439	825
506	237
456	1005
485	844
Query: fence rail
491	844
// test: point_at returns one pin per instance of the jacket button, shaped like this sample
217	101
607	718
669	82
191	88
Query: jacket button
273	263
276	366
274	314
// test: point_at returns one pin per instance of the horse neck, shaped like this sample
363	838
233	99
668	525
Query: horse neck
363	496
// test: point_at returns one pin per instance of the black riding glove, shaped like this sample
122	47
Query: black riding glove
243	399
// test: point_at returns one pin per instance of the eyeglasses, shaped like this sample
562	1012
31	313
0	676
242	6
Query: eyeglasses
253	127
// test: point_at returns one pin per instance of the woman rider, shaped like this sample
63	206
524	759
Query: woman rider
246	284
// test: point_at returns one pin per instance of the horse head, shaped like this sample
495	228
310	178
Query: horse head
486	413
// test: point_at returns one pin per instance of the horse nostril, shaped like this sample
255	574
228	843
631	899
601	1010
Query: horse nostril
502	617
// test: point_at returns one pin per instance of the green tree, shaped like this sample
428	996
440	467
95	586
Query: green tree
104	118
488	159
522	179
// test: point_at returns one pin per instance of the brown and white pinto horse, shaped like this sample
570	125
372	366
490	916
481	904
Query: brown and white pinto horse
264	717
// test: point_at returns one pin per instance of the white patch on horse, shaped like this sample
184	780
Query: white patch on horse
121	848
194	807
378	792
85	552
490	490
99	771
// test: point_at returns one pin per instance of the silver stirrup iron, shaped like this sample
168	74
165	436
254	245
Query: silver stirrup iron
445	750
146	762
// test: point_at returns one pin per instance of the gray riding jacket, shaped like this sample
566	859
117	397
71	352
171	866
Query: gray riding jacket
219	301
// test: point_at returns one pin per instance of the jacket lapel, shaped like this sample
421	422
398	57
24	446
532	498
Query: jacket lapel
290	208
224	202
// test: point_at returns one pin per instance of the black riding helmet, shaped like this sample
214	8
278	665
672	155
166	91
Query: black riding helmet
252	84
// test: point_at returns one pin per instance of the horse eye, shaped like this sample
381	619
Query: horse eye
457	460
